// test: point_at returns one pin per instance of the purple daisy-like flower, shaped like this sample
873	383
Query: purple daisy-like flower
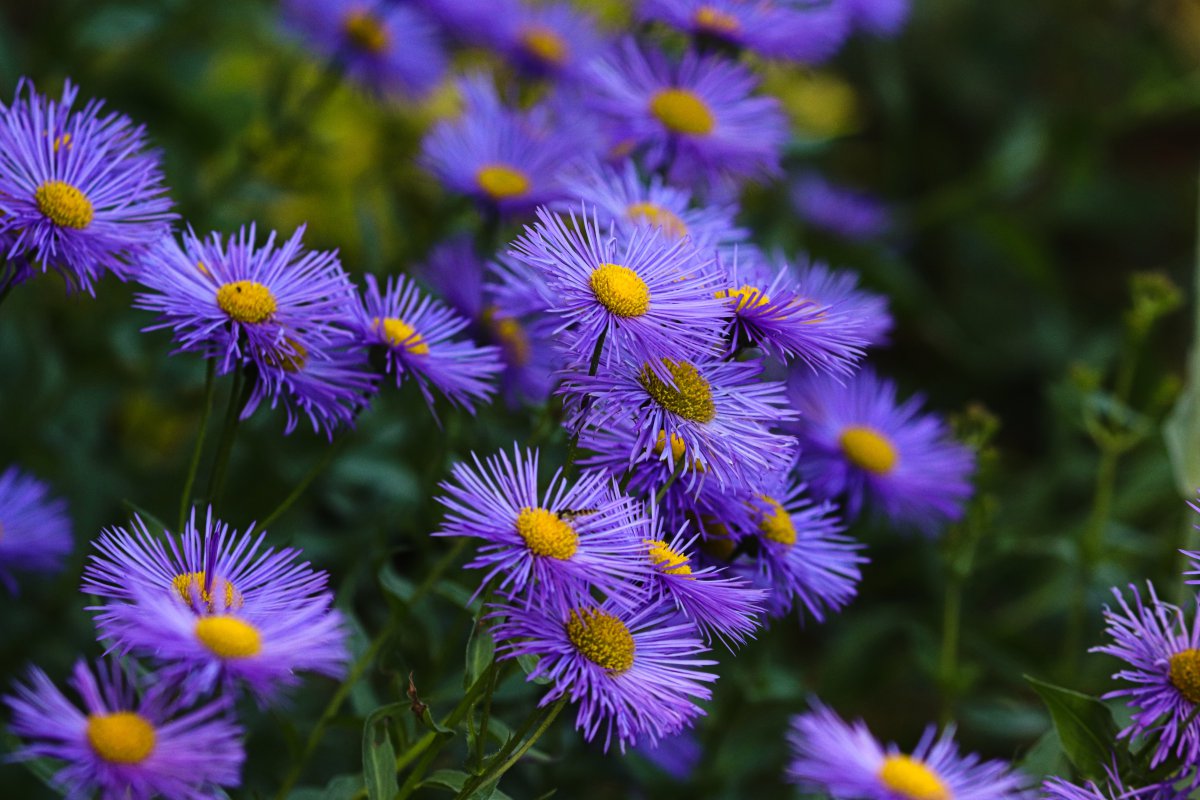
634	673
844	212
1114	789
866	312
556	543
418	335
471	21
390	48
718	412
771	311
724	607
624	200
1162	653
879	17
806	32
508	160
215	607
697	119
80	192
647	297
35	531
124	741
677	755
861	444
553	40
846	762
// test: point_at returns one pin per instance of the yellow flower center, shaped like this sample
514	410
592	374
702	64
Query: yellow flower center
291	357
1185	674
191	584
602	639
868	449
400	334
365	32
716	542
64	205
678	448
908	777
502	182
668	560
544	44
657	216
122	737
229	637
510	334
747	297
682	111
246	301
620	290
776	525
691	397
545	534
716	21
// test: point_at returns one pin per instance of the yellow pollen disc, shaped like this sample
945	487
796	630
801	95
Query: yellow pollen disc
659	217
776	525
747	297
868	449
682	111
602	639
620	290
544	44
365	32
502	182
716	21
908	777
291	357
691	397
64	205
191	585
546	535
400	334
229	637
1185	674
122	737
246	301
668	560
510	335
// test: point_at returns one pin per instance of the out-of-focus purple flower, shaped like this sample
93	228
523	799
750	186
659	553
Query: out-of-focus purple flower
1113	789
215	608
863	445
878	17
390	48
79	191
697	119
863	311
797	31
35	531
553	40
471	21
677	755
124	741
848	213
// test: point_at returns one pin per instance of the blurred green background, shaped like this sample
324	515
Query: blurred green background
1038	153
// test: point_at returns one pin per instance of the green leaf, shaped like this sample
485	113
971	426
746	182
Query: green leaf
481	649
151	520
343	787
379	756
529	663
455	780
1084	725
393	584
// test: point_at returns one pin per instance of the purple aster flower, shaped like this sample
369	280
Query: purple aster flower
471	21
278	309
807	32
79	191
556	543
648	296
696	120
771	311
35	531
551	40
623	199
123	741
1115	789
419	336
507	160
863	445
724	607
634	673
390	48
835	209
878	17
1161	651
846	762
215	607
717	410
677	755
865	311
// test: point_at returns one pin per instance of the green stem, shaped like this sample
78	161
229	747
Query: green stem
326	458
494	773
948	663
573	445
210	386
216	480
675	473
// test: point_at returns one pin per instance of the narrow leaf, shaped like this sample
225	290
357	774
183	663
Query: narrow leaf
1084	725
